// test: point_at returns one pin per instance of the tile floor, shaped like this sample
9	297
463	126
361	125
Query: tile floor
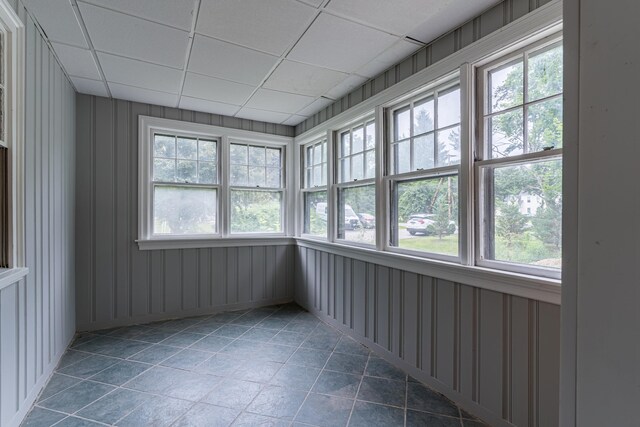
273	366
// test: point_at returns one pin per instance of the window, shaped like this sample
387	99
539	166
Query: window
424	146
314	188
356	162
520	160
4	168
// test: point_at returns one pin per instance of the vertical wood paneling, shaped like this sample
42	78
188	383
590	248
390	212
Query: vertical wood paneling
467	350
189	279
396	312
258	270
548	364
490	351
383	314
445	332
359	302
410	319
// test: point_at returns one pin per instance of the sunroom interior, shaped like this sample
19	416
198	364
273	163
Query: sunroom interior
319	213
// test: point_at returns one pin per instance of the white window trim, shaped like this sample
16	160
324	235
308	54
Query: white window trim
14	139
147	126
301	169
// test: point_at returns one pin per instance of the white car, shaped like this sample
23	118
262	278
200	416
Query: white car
424	224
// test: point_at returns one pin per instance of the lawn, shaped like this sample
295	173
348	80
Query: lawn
448	245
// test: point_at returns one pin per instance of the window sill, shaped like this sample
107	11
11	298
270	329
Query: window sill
229	242
522	285
9	276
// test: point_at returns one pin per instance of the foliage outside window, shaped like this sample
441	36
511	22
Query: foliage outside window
520	169
314	188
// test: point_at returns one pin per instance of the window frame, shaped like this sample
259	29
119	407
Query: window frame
306	188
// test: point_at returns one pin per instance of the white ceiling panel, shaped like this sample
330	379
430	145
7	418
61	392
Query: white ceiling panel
262	115
125	35
336	43
314	3
78	62
231	62
270	26
315	106
90	87
282	102
389	57
224	91
143	95
177	13
304	79
58	20
350	83
140	74
213	107
294	120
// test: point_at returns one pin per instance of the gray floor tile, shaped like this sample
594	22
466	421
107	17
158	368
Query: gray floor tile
108	346
277	402
296	377
89	366
203	415
204	328
253	420
234	394
374	415
378	367
182	339
323	410
347	363
219	364
258	334
231	331
224	317
309	357
129	332
155	336
423	398
155	354
56	384
380	390
76	397
273	352
114	406
321	341
212	343
158	412
155	380
121	372
300	327
40	417
337	384
192	386
71	357
186	359
421	419
350	346
474	423
276	323
76	422
242	349
288	338
258	371
82	338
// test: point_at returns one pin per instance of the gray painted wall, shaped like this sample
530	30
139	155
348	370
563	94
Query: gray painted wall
497	355
119	284
37	314
458	38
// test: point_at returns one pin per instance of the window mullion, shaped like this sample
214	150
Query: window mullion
224	210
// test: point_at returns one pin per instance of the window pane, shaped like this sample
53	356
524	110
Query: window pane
371	136
524	216
184	210
164	146
345	169
449	146
207	150
425	215
238	154
273	157
356	214
402	124
317	154
545	73
315	213
423	152
402	156
423	116
256	211
448	108
357	143
357	164
544	125
207	173
273	178
187	171
505	134
309	156
345	144
506	87
317	175
239	175
324	152
370	164
257	176
187	148
256	156
164	170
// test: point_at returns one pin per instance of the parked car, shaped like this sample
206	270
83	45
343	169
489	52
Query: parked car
351	220
424	224
367	220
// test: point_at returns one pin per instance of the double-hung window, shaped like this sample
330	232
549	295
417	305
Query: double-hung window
314	188
424	165
5	195
356	190
519	170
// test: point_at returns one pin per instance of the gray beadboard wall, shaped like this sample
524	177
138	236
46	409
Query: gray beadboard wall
497	355
119	284
37	314
458	38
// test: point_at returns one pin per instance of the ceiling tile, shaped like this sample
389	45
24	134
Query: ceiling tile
336	43
314	3
76	61
213	89
350	83
125	35
315	106
140	74
177	13
389	57
271	100
304	79
90	87
58	20
203	105
143	95
270	26
231	62
262	115
294	120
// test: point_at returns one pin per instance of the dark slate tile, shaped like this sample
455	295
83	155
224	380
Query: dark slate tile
258	371
274	322
109	346
308	357
231	331
192	386
76	397
249	319
424	399
187	359
129	332
224	317
378	367
253	420
234	394
351	346
337	384
242	349
308	318
347	363
296	377
380	390
121	372
474	423
155	354
158	412
219	364
77	422
114	406
203	415
212	343
256	334
71	357
83	338
178	324
154	336
288	338
300	327
421	419
39	417
371	415
273	352
321	341
277	402
89	366
323	410
156	380
204	328
182	339
56	384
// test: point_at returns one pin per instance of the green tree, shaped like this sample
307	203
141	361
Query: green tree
510	223
441	224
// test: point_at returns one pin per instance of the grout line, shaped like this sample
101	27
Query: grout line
192	32
355	399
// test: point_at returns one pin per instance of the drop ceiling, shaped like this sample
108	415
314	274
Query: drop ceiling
277	61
